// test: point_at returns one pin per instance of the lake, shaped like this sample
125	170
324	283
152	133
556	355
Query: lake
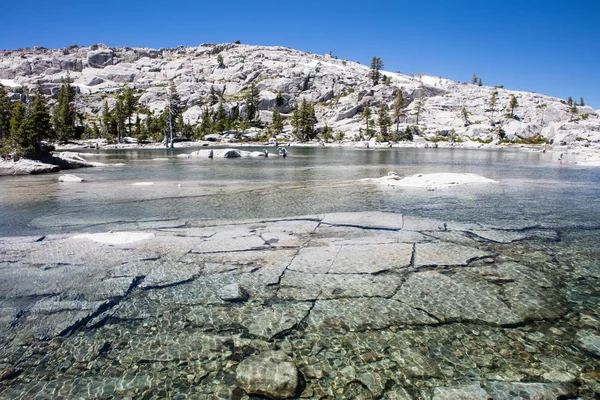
533	188
188	278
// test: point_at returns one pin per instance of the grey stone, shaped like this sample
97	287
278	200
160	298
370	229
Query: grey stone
443	254
541	391
415	365
374	381
589	341
451	299
363	314
272	374
465	392
233	292
300	286
70	178
100	58
370	220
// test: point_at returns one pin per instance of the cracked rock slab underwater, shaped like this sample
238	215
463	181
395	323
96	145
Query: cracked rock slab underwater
346	305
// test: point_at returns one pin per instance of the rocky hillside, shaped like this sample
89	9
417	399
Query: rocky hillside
339	89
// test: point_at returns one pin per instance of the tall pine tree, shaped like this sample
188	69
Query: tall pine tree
64	117
376	67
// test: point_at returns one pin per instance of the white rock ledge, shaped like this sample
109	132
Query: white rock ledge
431	181
115	237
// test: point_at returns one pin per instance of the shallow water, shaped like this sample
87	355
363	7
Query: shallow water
533	188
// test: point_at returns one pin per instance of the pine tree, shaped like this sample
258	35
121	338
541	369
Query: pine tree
220	61
573	111
279	100
119	115
474	79
464	114
130	102
384	123
252	99
221	120
173	112
581	102
366	115
570	101
5	114
17	120
480	82
376	67
492	104
399	110
277	122
37	126
212	96
513	104
419	103
63	117
304	121
205	124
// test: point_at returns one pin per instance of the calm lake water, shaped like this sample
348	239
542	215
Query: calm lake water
533	189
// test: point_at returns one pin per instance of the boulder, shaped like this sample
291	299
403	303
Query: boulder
26	167
233	293
70	178
100	58
272	374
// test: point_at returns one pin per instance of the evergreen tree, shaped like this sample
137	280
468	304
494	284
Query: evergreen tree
326	134
513	104
480	83
474	79
130	102
492	104
173	111
384	123
573	111
205	127
419	103
119	115
212	96
399	110
5	114
581	102
464	114
366	115
108	126
376	67
220	61
17	120
221	121
6	107
37	126
279	100
277	122
252	99
64	116
570	101
304	121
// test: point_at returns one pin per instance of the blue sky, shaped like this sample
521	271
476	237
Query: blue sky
551	46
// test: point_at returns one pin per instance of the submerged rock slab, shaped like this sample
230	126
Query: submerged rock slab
451	299
366	220
364	314
442	254
510	390
367	311
272	374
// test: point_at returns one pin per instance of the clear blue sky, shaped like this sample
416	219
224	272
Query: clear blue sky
546	46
